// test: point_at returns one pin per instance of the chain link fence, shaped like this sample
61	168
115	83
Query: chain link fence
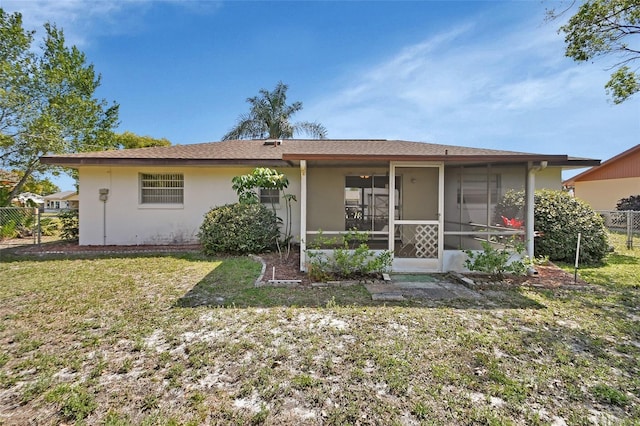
627	222
22	226
19	226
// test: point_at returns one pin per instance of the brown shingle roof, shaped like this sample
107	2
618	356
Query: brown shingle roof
256	152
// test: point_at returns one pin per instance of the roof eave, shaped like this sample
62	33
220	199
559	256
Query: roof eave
74	162
556	159
583	162
287	159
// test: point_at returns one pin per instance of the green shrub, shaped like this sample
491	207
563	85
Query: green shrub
630	203
69	225
559	218
8	230
27	224
239	228
351	258
49	226
497	261
17	223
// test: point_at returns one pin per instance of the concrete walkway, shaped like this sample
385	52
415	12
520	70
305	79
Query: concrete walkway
421	286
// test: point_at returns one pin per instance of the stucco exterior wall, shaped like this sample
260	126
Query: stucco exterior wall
549	178
605	194
419	192
127	222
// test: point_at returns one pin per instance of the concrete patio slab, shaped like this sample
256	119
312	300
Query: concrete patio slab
421	286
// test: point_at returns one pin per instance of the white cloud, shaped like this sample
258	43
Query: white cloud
80	20
83	20
513	91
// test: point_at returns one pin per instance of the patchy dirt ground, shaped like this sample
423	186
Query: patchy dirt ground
100	340
548	276
286	267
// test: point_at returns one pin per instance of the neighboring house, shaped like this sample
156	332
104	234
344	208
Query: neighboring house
604	185
424	202
61	201
29	199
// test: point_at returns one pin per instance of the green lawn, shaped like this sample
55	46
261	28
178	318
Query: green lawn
181	339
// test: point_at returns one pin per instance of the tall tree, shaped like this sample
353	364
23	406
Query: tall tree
607	27
40	186
8	179
47	103
128	140
270	117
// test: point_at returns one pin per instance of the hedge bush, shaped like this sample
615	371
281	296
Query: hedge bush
69	225
50	226
239	228
630	203
559	218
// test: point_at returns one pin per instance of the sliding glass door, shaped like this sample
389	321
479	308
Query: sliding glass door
366	204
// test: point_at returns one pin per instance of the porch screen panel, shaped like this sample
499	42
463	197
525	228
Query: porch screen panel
475	208
161	188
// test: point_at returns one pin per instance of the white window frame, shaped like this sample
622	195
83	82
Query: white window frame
161	189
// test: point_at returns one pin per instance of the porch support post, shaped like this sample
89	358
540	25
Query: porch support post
529	213
529	203
392	207
303	214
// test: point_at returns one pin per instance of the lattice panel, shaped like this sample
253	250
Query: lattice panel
426	240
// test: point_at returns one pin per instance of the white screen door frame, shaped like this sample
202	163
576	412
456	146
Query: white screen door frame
426	235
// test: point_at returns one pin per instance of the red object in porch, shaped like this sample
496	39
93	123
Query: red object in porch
512	223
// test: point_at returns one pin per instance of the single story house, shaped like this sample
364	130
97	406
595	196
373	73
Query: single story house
604	185
61	201
29	199
423	202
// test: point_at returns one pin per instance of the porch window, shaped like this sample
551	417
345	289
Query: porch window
366	203
161	188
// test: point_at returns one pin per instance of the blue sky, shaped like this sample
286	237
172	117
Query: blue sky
483	74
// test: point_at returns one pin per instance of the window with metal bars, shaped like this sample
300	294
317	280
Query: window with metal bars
269	196
161	188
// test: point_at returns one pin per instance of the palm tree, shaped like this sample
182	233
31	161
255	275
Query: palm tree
269	117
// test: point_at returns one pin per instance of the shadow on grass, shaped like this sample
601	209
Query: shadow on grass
231	284
42	253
